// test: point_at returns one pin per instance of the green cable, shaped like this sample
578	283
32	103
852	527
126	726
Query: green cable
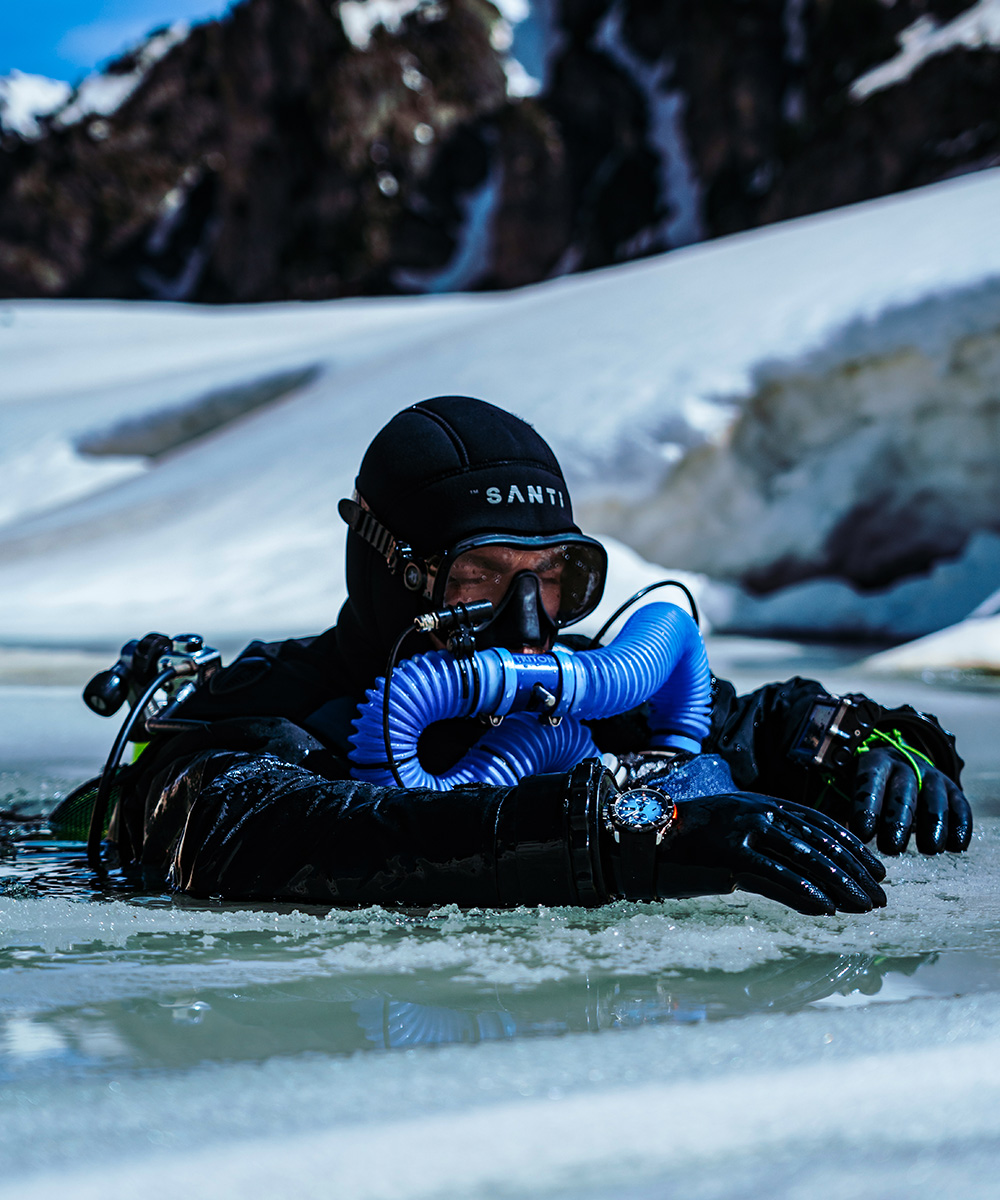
895	739
829	786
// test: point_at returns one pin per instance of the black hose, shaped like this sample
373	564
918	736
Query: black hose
596	640
96	834
390	667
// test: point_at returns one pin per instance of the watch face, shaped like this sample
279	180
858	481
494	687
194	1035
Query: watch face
642	808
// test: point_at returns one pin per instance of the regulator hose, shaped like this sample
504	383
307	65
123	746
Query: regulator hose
96	833
658	656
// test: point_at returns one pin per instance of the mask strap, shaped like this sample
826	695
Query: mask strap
398	555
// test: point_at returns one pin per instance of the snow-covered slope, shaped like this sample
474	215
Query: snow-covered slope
24	98
102	93
732	408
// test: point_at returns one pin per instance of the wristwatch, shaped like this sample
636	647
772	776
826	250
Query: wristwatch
638	819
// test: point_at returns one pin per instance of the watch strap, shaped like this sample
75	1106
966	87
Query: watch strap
637	864
636	841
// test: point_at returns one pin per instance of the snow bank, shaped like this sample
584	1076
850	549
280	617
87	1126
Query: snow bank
968	648
749	408
909	609
971	646
869	457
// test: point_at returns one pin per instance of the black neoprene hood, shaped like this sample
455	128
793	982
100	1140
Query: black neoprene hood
452	467
444	470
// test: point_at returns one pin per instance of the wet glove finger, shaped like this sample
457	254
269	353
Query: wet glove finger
816	868
932	813
831	850
778	882
837	833
959	819
870	782
898	809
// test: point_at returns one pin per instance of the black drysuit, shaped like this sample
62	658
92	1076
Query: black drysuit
257	802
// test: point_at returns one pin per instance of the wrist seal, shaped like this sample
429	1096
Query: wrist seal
547	838
836	727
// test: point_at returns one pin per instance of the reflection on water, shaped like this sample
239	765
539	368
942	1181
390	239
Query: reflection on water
171	998
33	865
336	1016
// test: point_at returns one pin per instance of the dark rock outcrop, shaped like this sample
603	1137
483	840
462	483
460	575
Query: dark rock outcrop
768	127
266	156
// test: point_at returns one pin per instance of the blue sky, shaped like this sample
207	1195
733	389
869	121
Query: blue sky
66	38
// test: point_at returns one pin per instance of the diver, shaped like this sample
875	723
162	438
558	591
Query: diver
457	502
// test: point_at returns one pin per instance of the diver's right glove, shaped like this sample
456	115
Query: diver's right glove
706	845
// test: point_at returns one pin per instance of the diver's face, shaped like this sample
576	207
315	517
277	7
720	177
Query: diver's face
486	573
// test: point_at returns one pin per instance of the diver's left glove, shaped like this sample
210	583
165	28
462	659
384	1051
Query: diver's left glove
897	792
886	771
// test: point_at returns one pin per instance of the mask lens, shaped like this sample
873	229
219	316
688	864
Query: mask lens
585	566
570	576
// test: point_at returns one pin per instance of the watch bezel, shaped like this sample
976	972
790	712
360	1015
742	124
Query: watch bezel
617	825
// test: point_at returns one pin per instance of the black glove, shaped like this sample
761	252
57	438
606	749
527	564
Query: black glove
784	851
889	797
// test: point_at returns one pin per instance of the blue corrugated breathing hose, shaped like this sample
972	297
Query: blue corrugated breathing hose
658	657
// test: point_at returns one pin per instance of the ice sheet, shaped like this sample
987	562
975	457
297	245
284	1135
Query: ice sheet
224	1050
522	947
823	1088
